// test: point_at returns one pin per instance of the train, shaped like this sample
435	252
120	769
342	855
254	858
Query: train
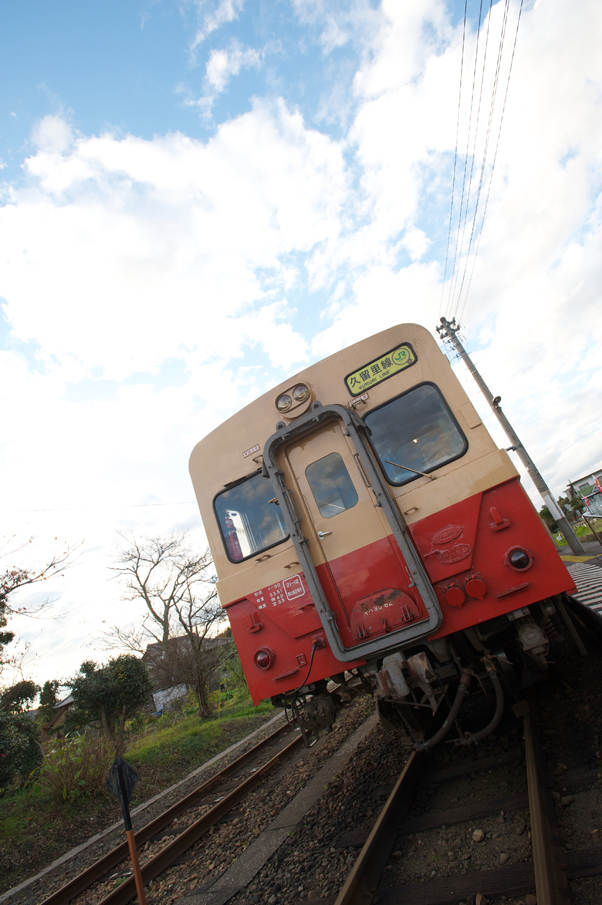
368	535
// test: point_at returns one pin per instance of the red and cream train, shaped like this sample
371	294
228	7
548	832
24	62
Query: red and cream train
366	529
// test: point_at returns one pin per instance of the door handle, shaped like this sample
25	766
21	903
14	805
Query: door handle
322	534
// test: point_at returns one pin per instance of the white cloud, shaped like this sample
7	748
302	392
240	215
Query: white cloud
383	298
124	252
52	135
223	64
416	242
214	15
354	21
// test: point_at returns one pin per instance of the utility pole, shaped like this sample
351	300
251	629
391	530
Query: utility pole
448	331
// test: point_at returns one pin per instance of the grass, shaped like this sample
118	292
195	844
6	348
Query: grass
177	744
36	828
582	531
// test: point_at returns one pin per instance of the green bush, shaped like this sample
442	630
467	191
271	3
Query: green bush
74	767
108	695
137	723
191	704
20	751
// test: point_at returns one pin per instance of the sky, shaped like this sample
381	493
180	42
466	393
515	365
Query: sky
198	198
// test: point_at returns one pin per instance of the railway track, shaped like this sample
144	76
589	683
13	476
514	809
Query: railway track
197	828
552	787
517	817
546	874
221	822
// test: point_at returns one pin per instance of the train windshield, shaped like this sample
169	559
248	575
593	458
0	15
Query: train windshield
415	432
248	520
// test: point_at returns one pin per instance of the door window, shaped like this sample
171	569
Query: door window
331	485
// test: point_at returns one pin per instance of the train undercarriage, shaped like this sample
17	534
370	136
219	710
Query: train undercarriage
416	688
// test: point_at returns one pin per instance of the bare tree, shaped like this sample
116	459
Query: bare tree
14	579
177	586
185	659
197	616
132	638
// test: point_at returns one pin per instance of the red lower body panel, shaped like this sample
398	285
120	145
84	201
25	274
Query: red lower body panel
282	620
466	550
370	592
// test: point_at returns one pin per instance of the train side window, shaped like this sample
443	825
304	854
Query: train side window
248	522
416	430
331	485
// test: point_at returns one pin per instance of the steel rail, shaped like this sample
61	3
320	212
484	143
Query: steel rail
361	883
549	864
118	854
187	838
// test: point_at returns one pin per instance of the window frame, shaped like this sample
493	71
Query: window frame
453	419
260	550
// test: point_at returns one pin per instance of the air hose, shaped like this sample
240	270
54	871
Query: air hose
451	716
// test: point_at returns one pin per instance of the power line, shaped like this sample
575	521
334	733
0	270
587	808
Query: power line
486	146
459	272
474	146
494	159
453	190
476	53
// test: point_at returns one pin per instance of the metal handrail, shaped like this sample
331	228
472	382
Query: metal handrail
587	519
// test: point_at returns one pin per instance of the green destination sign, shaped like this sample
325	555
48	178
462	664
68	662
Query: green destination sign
398	359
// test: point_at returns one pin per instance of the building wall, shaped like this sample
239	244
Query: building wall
583	486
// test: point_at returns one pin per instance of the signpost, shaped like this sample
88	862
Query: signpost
121	781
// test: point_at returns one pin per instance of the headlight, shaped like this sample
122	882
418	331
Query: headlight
301	392
284	402
519	559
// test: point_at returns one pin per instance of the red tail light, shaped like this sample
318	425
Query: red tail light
263	658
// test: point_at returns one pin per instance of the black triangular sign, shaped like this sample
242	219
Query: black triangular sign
122	779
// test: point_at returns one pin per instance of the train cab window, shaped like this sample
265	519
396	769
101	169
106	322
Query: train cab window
248	521
415	431
331	485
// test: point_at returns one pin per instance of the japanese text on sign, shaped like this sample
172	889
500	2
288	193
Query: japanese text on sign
280	592
380	369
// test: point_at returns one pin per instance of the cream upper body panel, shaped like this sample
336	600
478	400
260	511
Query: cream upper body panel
233	450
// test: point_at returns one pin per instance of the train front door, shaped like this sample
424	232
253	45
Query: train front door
358	562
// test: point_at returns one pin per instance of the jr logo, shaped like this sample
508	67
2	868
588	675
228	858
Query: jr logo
401	356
